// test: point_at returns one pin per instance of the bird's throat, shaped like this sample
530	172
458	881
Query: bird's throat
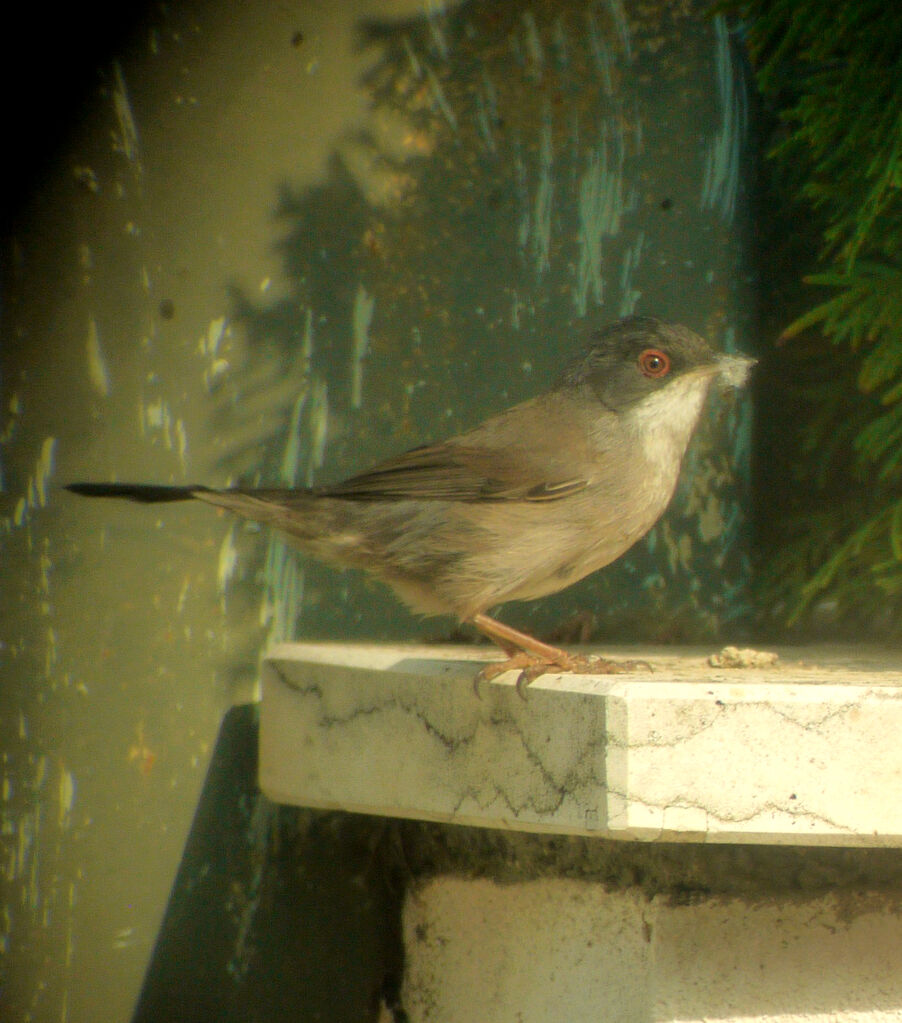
662	424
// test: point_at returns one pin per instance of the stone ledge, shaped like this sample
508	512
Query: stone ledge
804	752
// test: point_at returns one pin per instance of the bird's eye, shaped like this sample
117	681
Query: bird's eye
654	363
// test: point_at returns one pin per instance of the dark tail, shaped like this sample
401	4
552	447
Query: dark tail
146	493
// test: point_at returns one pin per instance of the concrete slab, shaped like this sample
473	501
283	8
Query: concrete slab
553	950
804	751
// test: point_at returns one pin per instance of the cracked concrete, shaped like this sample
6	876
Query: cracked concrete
800	752
664	845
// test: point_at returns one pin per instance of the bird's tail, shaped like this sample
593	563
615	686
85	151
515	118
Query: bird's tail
145	493
289	510
325	527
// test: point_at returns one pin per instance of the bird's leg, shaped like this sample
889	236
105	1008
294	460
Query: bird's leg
534	658
513	641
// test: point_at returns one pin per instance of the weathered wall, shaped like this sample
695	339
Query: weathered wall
265	252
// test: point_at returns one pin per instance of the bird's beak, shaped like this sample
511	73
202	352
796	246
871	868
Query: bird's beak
733	370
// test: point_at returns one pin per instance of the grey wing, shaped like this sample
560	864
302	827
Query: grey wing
444	472
498	461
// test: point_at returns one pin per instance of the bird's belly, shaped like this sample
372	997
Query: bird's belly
530	553
568	562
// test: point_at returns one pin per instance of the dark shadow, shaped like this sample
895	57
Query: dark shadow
275	914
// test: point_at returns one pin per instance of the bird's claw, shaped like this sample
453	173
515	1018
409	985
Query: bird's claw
520	660
532	667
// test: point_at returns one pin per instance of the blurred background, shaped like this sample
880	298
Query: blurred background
273	244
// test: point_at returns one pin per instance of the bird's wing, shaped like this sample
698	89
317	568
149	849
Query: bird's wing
497	461
455	472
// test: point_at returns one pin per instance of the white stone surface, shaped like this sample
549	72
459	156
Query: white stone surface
549	951
800	752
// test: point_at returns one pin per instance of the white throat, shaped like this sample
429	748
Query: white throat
664	421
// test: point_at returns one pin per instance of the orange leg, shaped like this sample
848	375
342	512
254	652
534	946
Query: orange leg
534	658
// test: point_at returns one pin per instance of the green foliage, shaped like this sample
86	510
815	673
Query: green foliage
833	71
836	69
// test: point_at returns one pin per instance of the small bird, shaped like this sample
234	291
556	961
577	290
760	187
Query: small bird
523	505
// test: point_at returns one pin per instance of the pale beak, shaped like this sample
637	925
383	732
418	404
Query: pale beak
734	369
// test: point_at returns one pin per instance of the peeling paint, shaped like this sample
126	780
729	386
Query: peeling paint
181	445
435	15
66	797
291	457
439	100
227	563
183	595
307	342
319	426
415	68
50	653
487	117
629	295
600	54
541	234
283	592
209	347
542	166
622	26
44	470
126	139
155	418
600	207
534	51
98	370
720	184
36	488
559	42
364	304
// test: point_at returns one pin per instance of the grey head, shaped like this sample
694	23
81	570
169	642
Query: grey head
633	358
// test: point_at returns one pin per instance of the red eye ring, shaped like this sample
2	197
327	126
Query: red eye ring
654	363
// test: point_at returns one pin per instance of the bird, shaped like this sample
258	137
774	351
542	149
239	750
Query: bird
520	506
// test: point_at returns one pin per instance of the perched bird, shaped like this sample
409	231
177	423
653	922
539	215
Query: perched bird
524	504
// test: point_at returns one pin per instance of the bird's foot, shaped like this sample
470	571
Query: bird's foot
532	667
